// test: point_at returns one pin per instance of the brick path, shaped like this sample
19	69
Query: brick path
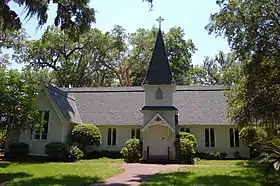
136	173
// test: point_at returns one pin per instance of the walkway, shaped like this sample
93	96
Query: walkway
136	173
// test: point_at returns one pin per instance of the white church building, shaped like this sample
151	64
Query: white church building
154	113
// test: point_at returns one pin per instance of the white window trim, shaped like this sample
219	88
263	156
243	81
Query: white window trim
34	132
209	133
153	121
161	95
234	138
112	146
135	129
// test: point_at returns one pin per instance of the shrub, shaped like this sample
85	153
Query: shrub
252	134
73	153
187	142
214	156
85	135
211	156
18	151
223	155
132	151
236	155
189	136
202	155
56	151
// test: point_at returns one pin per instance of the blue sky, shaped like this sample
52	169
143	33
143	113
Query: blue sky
191	15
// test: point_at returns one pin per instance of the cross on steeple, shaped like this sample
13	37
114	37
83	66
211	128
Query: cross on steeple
160	19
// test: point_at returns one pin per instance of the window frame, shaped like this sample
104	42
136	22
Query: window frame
39	131
185	130
234	139
135	133
210	138
176	117
207	138
237	139
231	138
159	94
112	137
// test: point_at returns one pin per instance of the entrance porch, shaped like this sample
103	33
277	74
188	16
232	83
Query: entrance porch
158	140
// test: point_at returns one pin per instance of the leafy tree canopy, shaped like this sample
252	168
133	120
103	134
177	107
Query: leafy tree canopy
250	26
222	69
75	15
105	59
252	30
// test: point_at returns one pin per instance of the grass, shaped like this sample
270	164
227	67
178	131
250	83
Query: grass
55	174
222	162
209	176
102	160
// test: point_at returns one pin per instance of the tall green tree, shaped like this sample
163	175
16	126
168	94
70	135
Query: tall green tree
222	69
10	39
252	28
75	15
179	52
18	110
93	60
105	59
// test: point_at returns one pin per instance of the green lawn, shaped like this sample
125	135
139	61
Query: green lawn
102	160
55	174
222	162
209	176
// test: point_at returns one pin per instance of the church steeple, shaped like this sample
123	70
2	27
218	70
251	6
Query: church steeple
159	71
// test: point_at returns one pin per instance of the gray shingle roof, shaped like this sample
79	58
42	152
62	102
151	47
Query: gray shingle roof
121	105
65	103
159	71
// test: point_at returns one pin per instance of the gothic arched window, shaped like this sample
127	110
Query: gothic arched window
231	138
138	133
133	133
159	94
236	138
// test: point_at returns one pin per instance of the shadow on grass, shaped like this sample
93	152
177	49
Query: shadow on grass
8	177
24	179
4	164
238	178
134	181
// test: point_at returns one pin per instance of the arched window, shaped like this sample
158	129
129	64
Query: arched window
231	138
236	138
206	137
138	134
109	139
159	94
133	133
182	130
212	137
114	141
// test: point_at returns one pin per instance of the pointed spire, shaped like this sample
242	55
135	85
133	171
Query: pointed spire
159	71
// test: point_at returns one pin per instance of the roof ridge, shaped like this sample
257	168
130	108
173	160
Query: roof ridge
140	89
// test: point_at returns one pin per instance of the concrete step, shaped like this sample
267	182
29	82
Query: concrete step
158	159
